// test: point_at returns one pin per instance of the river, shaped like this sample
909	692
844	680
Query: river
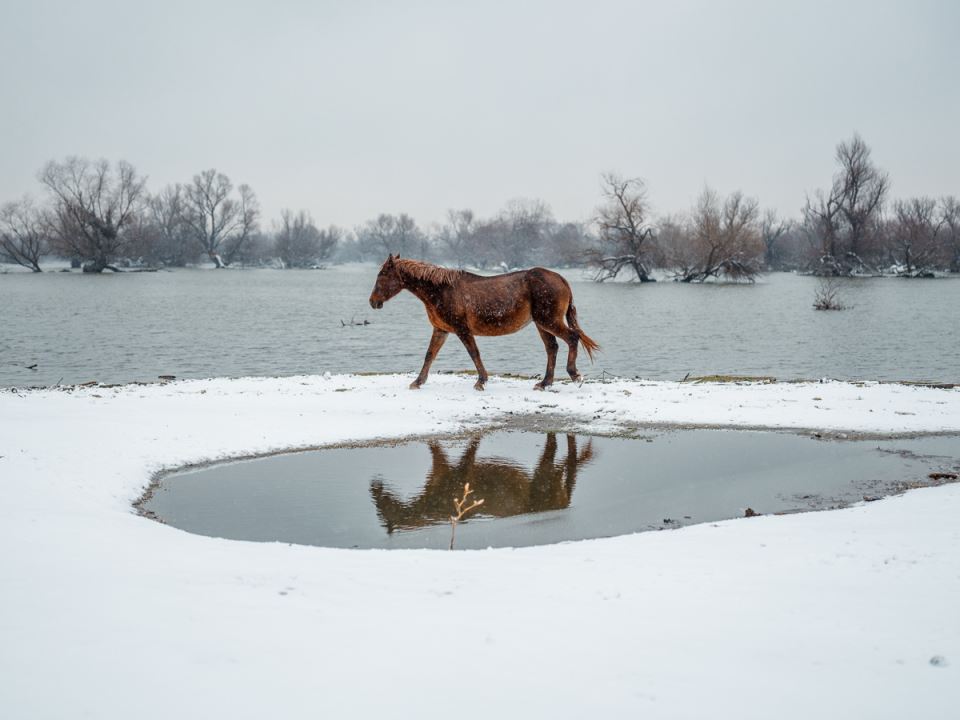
204	323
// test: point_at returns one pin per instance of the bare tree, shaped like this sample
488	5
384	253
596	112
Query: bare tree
392	234
377	236
822	220
568	244
329	241
173	243
296	241
623	230
847	218
299	243
723	241
828	295
950	218
914	235
220	223
257	250
487	243
94	208
23	234
772	230
861	188
525	225
408	237
456	235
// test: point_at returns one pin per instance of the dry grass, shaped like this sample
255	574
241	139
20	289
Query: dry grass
761	379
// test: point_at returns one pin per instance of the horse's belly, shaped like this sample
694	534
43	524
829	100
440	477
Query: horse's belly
499	326
500	320
493	308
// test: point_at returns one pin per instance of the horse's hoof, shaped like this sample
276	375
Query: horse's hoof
576	378
541	386
478	385
414	385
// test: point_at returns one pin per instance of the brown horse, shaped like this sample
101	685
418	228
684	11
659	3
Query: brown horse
466	304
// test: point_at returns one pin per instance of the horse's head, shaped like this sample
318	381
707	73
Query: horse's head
388	284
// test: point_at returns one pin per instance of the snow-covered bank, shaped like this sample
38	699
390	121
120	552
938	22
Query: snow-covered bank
107	614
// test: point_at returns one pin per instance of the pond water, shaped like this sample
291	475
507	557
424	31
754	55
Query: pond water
537	488
205	323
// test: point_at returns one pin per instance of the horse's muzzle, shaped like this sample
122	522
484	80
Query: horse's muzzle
376	304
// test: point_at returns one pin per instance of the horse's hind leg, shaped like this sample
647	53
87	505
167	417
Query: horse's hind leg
571	337
436	342
550	343
573	341
468	342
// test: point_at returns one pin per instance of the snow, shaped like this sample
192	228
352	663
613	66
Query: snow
849	613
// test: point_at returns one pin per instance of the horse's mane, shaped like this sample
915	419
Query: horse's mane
425	271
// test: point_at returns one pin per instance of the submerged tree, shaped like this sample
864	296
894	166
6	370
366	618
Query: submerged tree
219	221
94	208
772	231
299	243
624	233
828	294
847	218
23	235
861	188
914	235
172	241
950	217
723	240
822	225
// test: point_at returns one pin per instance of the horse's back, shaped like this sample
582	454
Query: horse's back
547	286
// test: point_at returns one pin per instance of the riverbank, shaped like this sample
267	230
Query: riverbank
107	614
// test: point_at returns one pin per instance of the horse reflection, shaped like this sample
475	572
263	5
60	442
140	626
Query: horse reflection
506	489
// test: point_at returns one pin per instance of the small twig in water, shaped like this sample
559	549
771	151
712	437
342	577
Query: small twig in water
354	323
461	508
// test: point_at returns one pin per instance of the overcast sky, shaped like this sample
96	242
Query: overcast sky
349	109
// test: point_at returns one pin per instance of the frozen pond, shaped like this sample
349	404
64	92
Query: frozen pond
204	323
537	488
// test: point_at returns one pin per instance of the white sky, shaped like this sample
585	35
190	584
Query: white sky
353	108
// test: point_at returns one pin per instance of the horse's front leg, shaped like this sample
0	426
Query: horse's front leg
436	342
471	345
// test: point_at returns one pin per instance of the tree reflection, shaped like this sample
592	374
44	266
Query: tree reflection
506	487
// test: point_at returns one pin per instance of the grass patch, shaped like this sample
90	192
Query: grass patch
760	379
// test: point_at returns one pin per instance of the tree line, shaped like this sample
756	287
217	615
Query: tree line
101	215
852	228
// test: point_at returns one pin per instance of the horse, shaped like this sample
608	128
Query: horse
465	304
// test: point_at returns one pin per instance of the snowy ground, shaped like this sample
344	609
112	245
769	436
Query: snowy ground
108	615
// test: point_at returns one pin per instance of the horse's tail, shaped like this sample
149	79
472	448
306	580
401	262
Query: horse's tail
588	344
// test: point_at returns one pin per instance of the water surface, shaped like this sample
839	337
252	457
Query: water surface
537	488
205	323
